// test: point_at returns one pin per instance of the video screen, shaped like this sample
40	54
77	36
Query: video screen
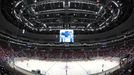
66	36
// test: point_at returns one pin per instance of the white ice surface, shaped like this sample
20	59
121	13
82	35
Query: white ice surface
67	68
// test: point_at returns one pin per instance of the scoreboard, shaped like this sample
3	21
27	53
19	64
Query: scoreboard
66	35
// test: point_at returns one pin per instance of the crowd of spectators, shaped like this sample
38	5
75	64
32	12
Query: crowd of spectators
80	54
5	55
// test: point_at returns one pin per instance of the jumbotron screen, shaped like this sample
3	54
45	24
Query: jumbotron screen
66	36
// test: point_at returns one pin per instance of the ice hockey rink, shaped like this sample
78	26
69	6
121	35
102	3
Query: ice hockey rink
68	68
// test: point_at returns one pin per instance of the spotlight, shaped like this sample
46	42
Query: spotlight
23	31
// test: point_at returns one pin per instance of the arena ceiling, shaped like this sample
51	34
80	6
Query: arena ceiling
41	20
